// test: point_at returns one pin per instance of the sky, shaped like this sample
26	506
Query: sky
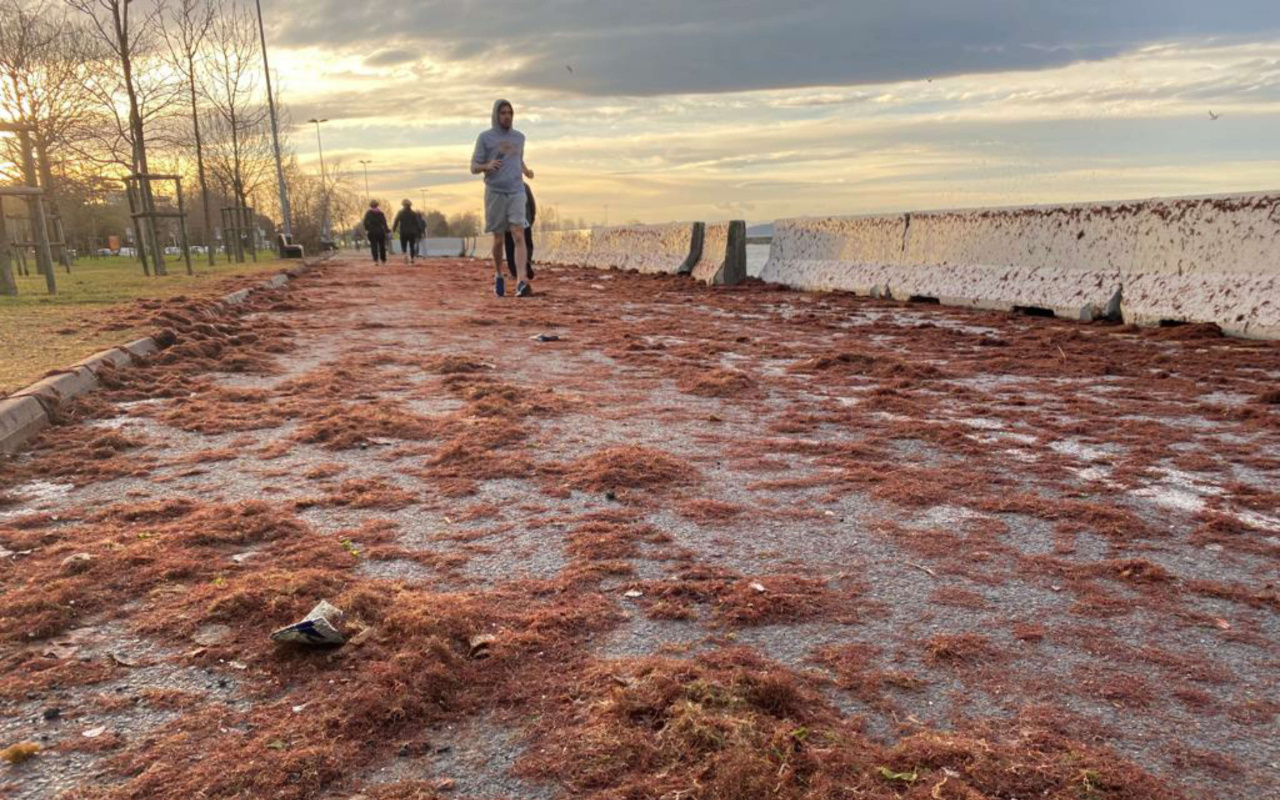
745	109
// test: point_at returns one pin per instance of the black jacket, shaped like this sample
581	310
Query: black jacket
407	222
375	222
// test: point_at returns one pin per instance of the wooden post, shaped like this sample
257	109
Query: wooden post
35	212
252	231
182	225
137	225
8	285
39	227
58	231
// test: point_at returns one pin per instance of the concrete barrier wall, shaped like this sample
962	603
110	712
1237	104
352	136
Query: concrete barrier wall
709	252
1200	259
651	249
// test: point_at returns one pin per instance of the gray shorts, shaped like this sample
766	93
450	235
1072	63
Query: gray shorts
503	212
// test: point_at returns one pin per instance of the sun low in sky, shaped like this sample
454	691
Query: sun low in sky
706	109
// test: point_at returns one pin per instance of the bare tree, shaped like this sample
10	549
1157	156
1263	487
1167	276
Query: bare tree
240	154
42	60
190	23
131	39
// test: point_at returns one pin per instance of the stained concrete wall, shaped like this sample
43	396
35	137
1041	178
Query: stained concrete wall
1198	259
707	251
651	249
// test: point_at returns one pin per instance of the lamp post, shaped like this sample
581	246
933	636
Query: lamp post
287	220
365	162
324	184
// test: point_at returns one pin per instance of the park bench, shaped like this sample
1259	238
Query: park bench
287	248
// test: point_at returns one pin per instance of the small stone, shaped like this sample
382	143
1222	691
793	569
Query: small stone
1214	548
758	587
209	635
633	594
94	733
76	564
611	495
51	714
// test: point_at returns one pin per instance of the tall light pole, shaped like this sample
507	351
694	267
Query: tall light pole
365	162
287	220
324	184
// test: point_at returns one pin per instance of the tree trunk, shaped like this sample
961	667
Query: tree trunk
8	285
139	143
59	233
204	184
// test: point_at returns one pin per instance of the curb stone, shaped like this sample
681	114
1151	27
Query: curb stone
28	411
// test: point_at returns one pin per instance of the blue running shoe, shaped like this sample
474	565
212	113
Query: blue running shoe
499	286
523	290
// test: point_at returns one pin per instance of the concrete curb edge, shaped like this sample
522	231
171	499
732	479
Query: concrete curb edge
28	411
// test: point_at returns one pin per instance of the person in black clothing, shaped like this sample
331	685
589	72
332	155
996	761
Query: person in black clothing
375	225
531	211
406	224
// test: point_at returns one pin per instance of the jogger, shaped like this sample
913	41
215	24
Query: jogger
499	155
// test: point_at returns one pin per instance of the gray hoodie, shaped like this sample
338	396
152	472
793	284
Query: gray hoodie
507	146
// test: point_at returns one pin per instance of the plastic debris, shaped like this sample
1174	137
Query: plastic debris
481	644
61	650
545	337
16	754
94	733
634	593
320	627
759	587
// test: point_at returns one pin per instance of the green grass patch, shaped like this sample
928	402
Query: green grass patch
40	332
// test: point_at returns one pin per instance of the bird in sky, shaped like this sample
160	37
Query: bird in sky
566	66
1213	116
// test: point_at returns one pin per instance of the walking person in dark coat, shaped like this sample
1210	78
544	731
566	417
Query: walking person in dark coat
375	225
531	211
407	225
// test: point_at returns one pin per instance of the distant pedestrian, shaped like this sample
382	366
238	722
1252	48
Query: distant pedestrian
375	225
499	154
407	225
422	234
531	213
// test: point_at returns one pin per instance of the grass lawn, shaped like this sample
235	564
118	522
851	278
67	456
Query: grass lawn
39	332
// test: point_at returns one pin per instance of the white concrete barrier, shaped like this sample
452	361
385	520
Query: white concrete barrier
569	248
1198	259
722	260
709	252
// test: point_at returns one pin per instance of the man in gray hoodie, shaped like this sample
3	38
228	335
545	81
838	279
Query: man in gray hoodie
499	155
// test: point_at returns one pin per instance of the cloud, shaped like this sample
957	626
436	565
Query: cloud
391	57
618	47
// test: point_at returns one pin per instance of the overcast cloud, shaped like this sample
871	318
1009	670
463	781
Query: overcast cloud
664	110
681	46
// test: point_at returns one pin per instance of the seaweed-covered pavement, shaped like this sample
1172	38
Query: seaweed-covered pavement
708	545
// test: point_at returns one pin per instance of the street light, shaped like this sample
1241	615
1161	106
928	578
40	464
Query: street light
285	213
365	162
324	184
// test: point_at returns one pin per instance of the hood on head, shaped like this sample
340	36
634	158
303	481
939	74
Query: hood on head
497	104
